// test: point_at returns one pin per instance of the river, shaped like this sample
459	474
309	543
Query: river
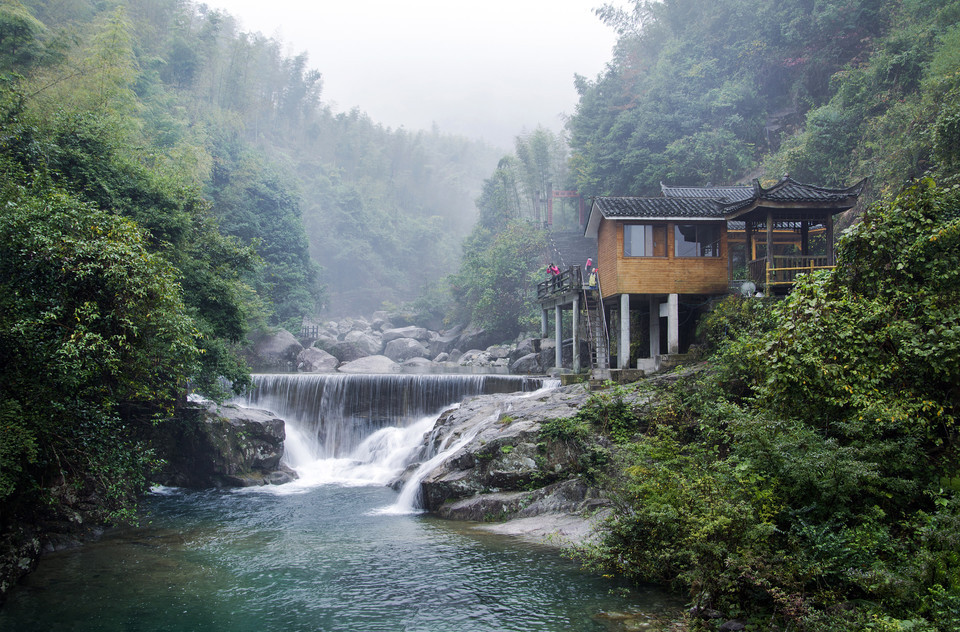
334	551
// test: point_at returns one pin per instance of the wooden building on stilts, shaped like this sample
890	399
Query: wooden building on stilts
661	261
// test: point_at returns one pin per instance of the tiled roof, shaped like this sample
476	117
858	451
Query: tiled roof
789	190
734	193
735	202
639	207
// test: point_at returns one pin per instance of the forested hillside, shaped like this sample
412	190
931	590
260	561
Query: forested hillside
702	92
168	184
381	211
829	92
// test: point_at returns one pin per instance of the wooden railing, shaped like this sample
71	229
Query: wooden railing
785	269
569	280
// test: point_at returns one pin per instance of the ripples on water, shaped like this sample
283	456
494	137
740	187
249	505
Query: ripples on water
323	559
332	552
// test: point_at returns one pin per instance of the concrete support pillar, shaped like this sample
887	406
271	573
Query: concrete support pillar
673	324
544	318
575	323
654	327
558	329
623	355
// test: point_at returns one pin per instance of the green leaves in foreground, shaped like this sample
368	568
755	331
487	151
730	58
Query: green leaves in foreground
90	321
810	478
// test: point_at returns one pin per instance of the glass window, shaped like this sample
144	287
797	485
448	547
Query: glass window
644	240
696	240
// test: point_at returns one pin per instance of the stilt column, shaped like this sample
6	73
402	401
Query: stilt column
623	357
558	329
576	337
654	327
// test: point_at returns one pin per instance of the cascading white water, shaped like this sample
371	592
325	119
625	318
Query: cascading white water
364	429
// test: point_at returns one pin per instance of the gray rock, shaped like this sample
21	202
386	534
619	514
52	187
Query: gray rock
504	455
366	340
475	338
528	364
417	363
402	349
417	333
313	360
525	347
474	357
347	351
442	357
497	352
276	350
224	445
370	364
548	350
444	342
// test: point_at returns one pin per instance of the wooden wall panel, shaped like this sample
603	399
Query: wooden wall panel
657	275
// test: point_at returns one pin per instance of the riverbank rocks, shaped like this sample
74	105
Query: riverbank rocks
313	360
402	349
352	339
210	445
506	470
273	351
370	364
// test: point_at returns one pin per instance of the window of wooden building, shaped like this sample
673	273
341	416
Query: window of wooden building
696	240
644	240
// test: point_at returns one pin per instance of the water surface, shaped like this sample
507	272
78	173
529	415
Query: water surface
314	558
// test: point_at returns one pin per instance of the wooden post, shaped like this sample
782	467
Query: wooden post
830	260
769	247
804	238
544	318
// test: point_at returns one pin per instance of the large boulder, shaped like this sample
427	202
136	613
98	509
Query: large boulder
446	341
210	445
525	347
402	349
370	364
527	364
313	360
417	333
474	337
548	351
507	452
366	340
274	350
346	351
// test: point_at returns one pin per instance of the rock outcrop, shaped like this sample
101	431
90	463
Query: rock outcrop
210	445
507	471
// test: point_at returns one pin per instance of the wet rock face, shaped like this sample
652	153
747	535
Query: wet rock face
221	446
505	455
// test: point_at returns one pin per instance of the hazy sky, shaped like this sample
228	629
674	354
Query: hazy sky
485	68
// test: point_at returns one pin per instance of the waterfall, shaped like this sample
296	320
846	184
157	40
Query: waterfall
363	429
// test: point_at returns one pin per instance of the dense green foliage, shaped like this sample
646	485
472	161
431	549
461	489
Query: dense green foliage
503	257
809	478
830	92
91	321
